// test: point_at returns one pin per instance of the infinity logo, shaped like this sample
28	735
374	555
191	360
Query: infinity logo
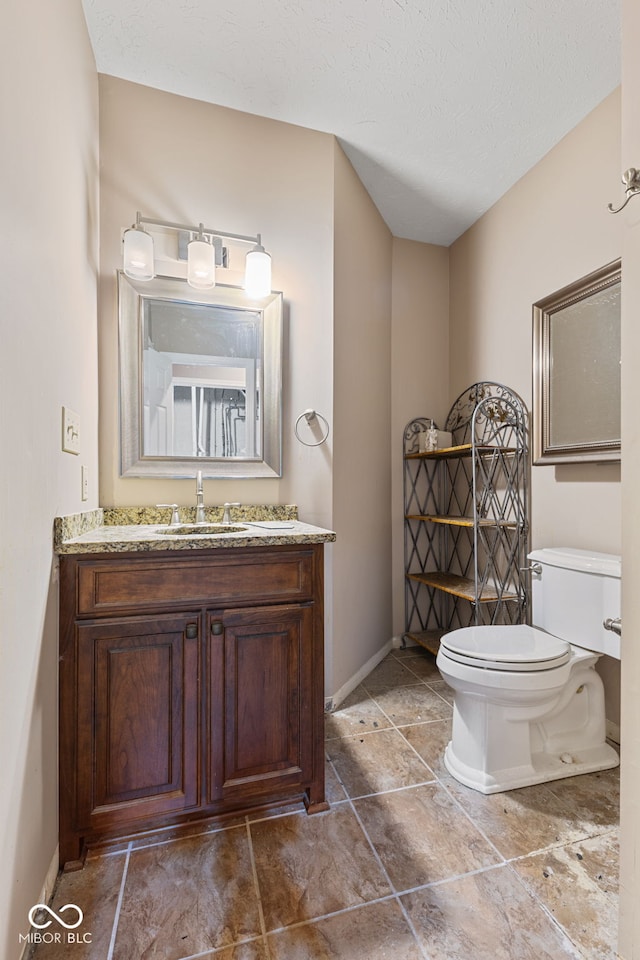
56	916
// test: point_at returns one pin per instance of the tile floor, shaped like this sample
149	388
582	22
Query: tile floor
406	865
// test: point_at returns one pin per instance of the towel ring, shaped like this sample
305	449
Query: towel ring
310	415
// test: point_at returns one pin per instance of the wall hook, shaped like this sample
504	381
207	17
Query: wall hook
631	181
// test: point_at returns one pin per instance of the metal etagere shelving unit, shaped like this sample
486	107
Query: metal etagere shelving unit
466	529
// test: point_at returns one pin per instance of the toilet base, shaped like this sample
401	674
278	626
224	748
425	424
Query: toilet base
543	768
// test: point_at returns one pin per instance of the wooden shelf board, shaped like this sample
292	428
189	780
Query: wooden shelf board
458	586
453	453
429	639
455	521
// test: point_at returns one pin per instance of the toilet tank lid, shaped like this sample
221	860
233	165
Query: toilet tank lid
589	561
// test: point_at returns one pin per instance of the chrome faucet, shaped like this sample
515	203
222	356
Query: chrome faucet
200	517
175	516
226	516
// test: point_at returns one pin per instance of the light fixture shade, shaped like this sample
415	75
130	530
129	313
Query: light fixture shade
138	254
201	265
257	274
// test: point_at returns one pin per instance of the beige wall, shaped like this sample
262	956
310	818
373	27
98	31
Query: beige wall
419	369
361	446
551	228
629	941
49	177
187	161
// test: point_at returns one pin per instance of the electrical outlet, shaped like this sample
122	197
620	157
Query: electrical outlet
84	472
70	431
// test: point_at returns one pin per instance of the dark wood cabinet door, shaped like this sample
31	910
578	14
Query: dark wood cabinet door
137	719
260	677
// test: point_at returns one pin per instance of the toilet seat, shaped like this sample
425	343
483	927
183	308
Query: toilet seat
519	648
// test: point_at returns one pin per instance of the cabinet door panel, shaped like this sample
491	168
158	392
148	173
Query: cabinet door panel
137	718
260	673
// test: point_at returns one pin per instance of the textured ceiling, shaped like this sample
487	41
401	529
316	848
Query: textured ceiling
441	105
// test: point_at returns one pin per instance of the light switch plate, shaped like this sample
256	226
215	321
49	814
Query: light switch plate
84	471
70	431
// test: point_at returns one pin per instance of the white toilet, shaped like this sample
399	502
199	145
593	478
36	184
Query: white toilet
528	702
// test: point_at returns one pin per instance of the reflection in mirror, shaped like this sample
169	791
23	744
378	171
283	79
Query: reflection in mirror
584	380
205	393
577	371
200	385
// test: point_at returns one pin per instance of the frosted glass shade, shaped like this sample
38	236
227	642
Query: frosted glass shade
138	254
201	265
257	275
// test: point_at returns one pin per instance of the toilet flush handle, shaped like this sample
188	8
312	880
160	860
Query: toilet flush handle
615	625
534	567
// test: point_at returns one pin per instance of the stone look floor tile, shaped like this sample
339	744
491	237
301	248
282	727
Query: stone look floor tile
578	885
107	849
188	897
487	916
430	741
412	704
378	931
423	666
357	713
521	821
254	950
95	889
325	895
601	861
311	866
593	799
441	688
421	835
388	674
333	789
184	831
376	762
278	810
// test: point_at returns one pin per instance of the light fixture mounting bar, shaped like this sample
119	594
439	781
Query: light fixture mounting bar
223	234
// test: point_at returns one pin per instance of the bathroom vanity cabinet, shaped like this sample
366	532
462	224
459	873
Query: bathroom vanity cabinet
466	521
190	687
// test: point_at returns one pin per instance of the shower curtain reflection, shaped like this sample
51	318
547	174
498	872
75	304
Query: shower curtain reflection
209	422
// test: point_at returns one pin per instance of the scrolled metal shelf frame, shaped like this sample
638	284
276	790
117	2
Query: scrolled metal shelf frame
460	574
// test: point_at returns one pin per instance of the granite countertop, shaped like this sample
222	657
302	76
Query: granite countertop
133	529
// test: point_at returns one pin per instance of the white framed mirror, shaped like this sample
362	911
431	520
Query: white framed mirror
200	380
576	371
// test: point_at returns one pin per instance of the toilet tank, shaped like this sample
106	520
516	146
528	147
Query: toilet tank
573	593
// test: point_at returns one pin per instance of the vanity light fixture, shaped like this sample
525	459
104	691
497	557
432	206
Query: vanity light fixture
138	252
257	273
201	263
139	263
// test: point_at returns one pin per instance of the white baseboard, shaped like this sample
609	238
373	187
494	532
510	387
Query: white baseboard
613	732
46	890
334	701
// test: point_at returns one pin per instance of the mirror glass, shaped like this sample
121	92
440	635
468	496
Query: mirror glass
200	380
577	371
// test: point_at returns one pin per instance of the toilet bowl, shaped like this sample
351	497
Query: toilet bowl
528	702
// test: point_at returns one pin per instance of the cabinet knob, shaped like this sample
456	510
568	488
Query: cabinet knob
217	627
192	631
